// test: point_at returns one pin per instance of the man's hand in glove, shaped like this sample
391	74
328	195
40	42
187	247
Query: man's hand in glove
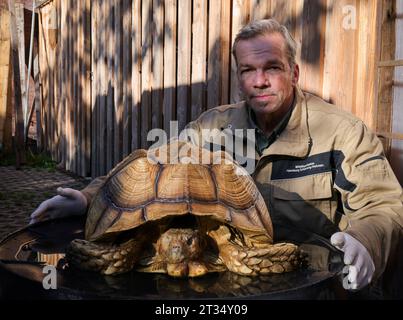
68	202
356	258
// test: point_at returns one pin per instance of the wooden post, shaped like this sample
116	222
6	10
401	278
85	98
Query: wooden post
184	61
38	103
19	19
383	113
199	52
19	120
135	33
170	32
5	81
146	70
126	74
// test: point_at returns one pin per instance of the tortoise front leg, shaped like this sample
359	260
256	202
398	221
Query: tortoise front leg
103	258
275	258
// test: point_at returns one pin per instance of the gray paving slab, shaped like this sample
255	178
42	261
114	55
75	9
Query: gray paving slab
21	191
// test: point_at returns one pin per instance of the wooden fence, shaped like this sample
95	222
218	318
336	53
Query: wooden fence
112	70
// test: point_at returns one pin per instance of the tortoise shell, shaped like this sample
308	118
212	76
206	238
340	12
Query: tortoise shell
140	189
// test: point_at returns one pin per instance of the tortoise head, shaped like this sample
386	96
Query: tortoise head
180	245
181	250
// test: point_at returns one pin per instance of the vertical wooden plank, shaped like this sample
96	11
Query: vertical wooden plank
226	45
240	16
54	50
170	32
103	86
19	18
7	135
283	12
76	101
339	87
199	53
66	77
110	42
19	120
58	84
60	81
79	84
126	73
68	87
157	63
43	70
396	155
259	9
37	102
87	87
214	68
71	102
47	80
136	85
81	59
386	74
310	36
5	68
367	55
95	88
52	38
146	70
184	56
117	84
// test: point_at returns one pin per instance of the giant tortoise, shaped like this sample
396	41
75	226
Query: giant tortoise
183	217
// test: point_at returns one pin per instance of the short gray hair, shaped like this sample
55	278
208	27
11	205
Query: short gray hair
263	27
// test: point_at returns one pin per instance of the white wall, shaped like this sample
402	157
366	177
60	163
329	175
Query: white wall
397	120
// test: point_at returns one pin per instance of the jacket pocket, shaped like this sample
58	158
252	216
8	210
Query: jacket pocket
305	202
313	187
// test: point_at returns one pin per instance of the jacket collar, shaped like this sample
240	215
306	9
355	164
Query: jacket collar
294	140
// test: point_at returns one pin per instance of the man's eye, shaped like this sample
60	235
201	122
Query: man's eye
246	70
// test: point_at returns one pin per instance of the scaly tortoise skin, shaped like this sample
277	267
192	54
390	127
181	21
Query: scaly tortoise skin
184	219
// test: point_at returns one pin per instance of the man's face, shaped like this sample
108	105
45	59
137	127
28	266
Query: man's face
265	76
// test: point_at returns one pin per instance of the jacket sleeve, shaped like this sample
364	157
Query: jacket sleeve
90	190
371	195
192	133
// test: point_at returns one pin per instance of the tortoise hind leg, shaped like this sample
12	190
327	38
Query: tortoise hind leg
275	258
103	258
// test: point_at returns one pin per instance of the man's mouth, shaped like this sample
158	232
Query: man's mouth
261	97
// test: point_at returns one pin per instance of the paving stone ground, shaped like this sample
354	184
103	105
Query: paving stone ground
21	191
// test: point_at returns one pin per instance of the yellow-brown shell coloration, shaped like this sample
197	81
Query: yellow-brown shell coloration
233	230
138	191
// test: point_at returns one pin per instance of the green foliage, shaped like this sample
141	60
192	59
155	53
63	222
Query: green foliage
34	160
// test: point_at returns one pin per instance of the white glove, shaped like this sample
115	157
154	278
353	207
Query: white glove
359	264
69	202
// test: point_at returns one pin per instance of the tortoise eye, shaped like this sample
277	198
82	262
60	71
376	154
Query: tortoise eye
189	241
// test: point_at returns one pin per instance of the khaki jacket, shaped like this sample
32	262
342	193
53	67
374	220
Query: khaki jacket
324	172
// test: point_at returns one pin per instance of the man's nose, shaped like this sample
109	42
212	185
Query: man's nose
261	79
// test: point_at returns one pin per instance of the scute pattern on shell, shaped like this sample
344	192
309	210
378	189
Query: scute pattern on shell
138	190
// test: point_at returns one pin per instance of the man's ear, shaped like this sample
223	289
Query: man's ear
295	74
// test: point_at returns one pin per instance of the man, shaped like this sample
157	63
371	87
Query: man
318	168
